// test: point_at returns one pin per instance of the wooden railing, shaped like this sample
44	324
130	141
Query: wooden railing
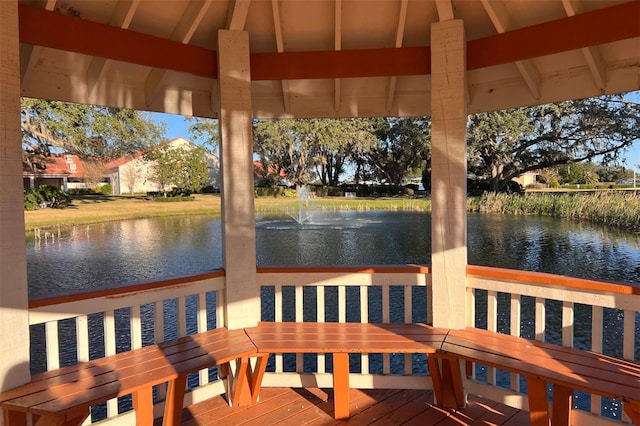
591	315
70	329
542	306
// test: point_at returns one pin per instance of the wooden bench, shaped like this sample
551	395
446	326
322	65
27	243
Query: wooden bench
340	339
540	363
64	395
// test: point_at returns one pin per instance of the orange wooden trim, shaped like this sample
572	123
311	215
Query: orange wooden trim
551	279
55	30
377	269
120	291
341	64
600	26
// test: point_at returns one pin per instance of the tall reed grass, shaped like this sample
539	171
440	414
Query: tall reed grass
608	208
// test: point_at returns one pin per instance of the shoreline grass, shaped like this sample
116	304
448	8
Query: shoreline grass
608	208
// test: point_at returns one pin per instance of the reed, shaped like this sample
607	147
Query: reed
619	209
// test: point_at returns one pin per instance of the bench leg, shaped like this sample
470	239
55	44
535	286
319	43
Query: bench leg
143	406
256	375
538	402
562	404
448	387
341	385
241	390
173	402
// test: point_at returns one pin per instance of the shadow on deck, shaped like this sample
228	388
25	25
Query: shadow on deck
307	406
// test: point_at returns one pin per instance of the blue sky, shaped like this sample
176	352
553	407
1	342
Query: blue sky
176	126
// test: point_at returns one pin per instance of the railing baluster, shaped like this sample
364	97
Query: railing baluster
408	318
135	326
386	358
299	317
364	317
278	318
567	324
52	345
597	323
515	323
82	338
342	303
201	318
492	325
322	368
181	306
110	349
540	325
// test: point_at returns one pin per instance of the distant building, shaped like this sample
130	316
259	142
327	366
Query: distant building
133	174
527	178
64	172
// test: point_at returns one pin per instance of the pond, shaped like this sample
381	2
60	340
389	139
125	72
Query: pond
115	254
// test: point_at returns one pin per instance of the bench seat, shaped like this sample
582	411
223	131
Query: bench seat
340	339
64	395
541	363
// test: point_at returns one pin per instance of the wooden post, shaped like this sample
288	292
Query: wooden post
14	313
242	302
448	173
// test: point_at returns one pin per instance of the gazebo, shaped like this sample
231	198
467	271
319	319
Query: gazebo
236	60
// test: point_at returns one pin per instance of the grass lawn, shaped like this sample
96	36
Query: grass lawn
91	209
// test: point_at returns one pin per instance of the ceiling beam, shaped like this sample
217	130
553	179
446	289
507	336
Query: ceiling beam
98	68
237	18
277	28
29	54
445	10
402	20
591	54
500	20
337	36
49	29
182	33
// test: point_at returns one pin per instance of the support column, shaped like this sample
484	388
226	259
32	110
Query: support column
242	302
14	314
448	173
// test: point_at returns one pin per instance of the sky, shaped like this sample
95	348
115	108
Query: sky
177	127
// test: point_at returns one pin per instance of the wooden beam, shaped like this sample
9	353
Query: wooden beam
99	67
593	28
183	32
29	54
49	29
337	46
277	29
402	20
238	12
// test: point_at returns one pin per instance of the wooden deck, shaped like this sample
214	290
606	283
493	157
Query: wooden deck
287	406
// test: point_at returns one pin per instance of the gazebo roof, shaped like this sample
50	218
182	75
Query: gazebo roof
325	58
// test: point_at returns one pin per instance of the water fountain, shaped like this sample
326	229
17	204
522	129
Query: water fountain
303	214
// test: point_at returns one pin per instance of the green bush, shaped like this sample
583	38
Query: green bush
45	195
174	199
106	189
32	199
278	191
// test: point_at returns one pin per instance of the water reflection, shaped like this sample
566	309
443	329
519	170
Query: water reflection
118	253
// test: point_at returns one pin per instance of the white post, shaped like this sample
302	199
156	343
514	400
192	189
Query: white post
448	173
242	307
14	314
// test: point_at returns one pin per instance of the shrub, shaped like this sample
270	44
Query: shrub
106	189
50	196
278	191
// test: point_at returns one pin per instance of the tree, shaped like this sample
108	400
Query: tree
184	168
505	144
403	145
206	131
284	147
338	142
94	133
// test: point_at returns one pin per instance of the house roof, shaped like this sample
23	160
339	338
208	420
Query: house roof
69	165
325	58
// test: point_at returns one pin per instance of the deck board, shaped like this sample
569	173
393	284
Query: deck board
379	407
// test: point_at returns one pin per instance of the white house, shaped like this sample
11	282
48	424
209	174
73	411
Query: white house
134	174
